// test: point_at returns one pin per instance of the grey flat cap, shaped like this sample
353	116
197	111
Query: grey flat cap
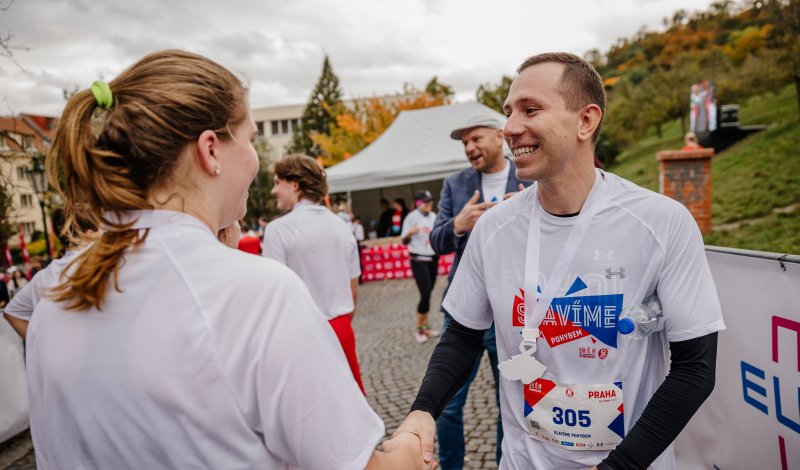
492	122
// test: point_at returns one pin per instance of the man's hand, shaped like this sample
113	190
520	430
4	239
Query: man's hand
465	220
403	452
413	231
508	195
421	424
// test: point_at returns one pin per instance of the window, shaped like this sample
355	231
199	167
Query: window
260	127
21	173
3	143
27	142
26	200
284	126
29	227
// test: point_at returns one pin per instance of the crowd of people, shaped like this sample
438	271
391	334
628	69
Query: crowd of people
140	356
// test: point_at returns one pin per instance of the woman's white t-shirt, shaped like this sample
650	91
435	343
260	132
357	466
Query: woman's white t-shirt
180	370
420	243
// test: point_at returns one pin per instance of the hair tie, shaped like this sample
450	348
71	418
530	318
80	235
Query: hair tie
102	94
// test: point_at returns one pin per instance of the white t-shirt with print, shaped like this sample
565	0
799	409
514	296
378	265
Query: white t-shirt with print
493	185
639	243
317	245
179	370
420	242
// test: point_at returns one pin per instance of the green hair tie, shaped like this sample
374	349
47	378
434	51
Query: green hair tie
102	94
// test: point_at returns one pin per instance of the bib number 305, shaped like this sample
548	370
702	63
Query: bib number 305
570	417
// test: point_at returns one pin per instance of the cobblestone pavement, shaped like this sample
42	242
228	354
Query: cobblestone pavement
392	365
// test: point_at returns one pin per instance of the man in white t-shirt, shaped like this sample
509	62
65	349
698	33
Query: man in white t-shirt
317	245
584	244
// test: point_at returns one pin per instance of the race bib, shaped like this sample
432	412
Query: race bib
575	417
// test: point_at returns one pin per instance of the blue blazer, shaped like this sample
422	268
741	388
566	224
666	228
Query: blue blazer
456	192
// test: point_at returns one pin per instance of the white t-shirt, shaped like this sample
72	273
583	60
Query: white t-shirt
321	249
420	242
358	232
181	371
494	184
22	305
638	243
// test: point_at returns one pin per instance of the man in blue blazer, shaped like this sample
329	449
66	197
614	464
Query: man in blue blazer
465	197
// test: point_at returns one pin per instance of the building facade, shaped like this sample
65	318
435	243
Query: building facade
22	138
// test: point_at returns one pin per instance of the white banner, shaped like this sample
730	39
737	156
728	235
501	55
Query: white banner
13	392
752	420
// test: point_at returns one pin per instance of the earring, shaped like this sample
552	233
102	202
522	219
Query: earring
216	171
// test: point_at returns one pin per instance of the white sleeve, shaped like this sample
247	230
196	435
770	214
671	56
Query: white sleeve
313	414
685	286
25	300
274	246
408	223
467	300
353	261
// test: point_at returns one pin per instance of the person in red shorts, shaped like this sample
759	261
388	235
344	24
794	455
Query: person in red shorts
317	245
249	242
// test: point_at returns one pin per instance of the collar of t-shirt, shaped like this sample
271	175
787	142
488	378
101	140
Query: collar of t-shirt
493	185
305	204
157	218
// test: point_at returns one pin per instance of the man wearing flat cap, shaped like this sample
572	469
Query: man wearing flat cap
465	197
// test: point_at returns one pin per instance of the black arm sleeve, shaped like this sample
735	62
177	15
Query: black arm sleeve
688	384
449	367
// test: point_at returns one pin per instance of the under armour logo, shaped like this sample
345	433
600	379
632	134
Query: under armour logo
608	256
620	274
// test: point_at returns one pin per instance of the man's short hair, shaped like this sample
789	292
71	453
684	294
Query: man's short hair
580	82
309	175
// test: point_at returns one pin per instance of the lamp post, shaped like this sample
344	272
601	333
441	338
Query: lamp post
40	186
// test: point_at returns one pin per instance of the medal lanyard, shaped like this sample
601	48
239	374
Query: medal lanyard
535	312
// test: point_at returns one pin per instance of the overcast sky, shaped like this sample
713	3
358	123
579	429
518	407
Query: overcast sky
375	45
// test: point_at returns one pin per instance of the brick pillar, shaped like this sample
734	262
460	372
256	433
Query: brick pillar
685	175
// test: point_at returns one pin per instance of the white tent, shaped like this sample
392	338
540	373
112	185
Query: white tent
416	147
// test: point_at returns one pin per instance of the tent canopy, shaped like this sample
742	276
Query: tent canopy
416	147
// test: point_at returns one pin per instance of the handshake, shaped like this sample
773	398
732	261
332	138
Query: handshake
411	445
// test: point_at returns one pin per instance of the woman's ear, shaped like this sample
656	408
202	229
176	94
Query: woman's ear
205	149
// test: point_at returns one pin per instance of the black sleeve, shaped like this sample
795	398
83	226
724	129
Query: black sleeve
449	368
688	384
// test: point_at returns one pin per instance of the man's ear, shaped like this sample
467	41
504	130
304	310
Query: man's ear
590	118
205	152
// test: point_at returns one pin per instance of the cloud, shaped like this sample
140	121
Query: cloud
375	47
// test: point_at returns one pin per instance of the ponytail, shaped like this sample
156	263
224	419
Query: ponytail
111	151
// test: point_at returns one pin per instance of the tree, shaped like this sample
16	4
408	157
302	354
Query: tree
787	38
494	96
259	201
439	90
6	207
317	117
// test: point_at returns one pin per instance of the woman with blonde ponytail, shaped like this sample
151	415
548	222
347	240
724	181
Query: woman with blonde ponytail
137	359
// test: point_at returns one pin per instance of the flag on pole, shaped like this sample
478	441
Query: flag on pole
7	260
22	247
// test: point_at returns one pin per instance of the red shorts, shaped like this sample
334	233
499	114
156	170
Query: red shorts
344	331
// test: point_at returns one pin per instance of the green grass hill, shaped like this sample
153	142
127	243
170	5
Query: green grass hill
755	183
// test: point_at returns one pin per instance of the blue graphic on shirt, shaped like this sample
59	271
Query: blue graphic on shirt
573	317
